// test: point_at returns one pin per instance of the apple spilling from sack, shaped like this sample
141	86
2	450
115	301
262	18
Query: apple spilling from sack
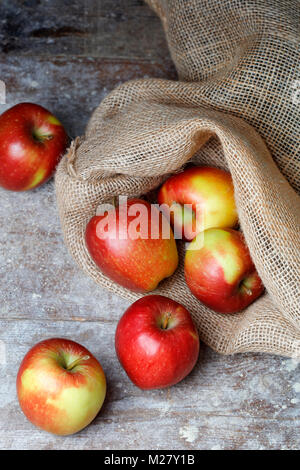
61	386
199	205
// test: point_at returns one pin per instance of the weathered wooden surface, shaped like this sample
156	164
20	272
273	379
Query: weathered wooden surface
245	401
100	28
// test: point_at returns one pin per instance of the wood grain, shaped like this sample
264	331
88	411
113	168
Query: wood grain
68	63
72	86
124	29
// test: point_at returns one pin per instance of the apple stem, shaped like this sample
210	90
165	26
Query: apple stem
166	321
40	136
244	288
77	361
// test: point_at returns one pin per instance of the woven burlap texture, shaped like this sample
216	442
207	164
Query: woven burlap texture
237	64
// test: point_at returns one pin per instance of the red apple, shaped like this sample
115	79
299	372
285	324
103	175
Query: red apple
156	342
128	245
201	198
32	141
61	386
220	272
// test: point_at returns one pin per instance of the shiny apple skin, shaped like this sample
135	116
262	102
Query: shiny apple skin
209	188
138	265
57	400
154	357
220	272
32	142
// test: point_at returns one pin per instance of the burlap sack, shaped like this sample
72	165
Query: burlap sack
236	59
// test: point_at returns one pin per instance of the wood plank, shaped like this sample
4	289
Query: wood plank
72	87
121	29
238	402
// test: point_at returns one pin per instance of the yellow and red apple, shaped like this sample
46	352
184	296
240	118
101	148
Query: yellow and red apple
220	272
128	244
61	386
32	140
156	342
197	199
